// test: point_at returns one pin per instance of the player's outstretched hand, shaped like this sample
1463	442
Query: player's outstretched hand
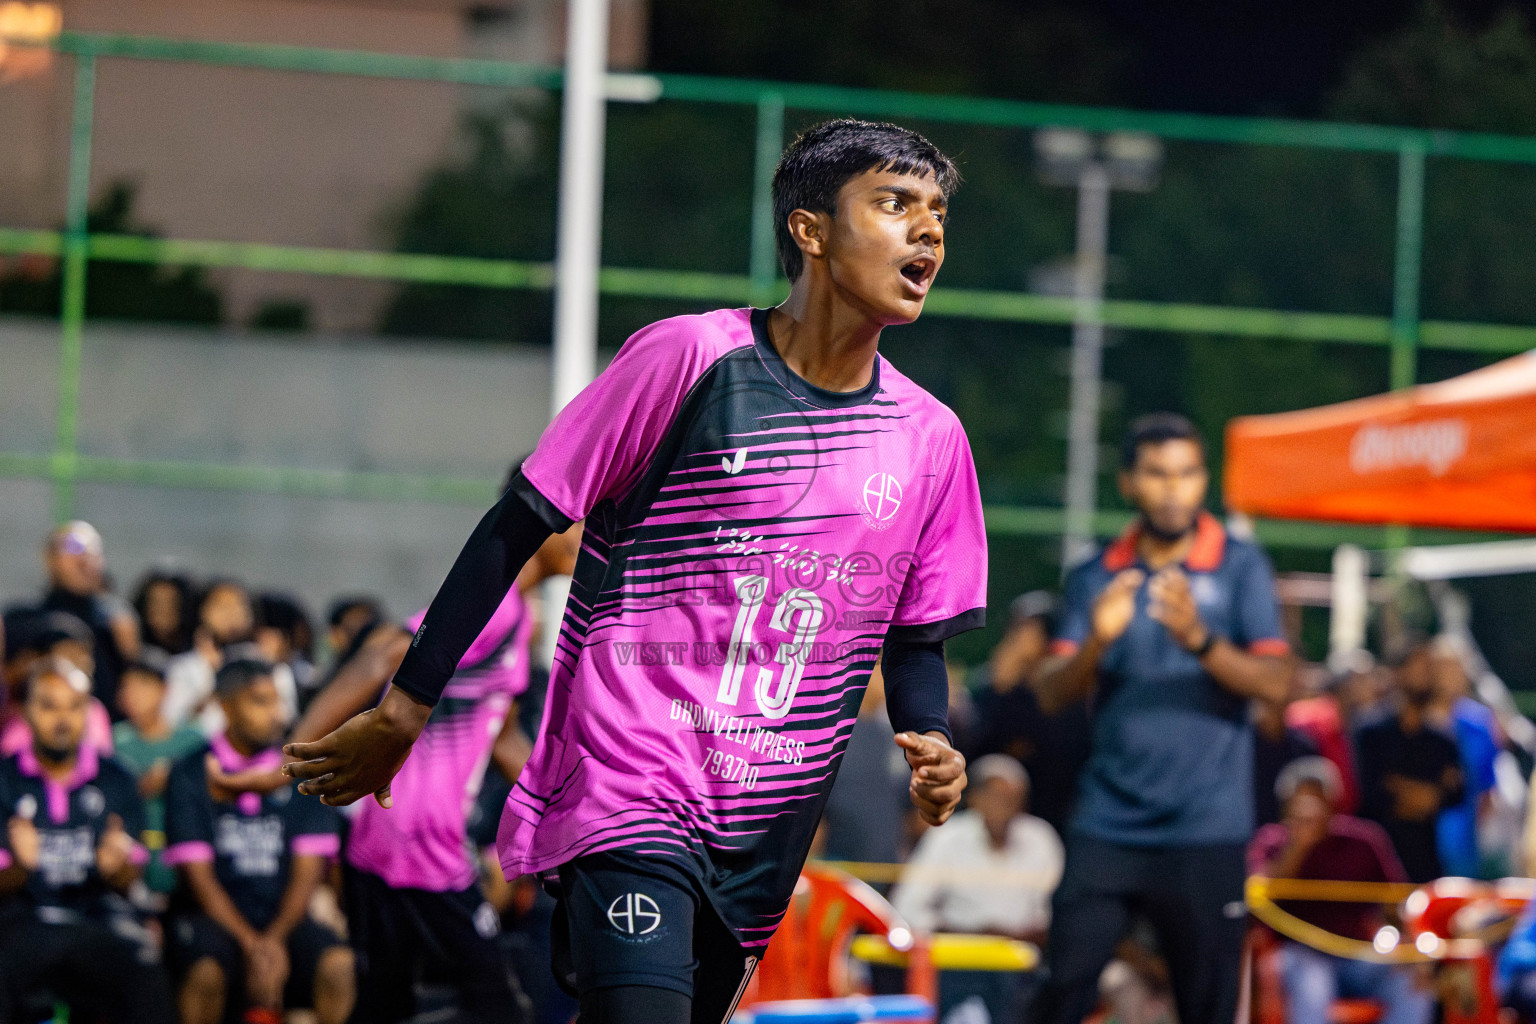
362	755
938	774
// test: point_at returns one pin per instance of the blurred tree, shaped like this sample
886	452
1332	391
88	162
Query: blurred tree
495	200
1052	52
116	291
1297	229
1479	218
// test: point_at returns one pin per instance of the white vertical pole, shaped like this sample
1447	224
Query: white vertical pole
1087	363
578	248
1351	605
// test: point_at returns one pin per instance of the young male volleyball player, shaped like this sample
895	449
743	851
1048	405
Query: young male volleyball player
769	506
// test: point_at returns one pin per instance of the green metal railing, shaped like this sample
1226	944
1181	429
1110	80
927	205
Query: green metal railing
1402	331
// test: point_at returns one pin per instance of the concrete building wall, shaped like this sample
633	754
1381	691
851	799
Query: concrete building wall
255	156
343	403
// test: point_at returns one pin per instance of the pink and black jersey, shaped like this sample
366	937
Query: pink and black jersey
421	842
251	843
750	542
70	817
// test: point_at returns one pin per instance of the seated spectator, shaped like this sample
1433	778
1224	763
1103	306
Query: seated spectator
1009	720
1410	771
1352	689
286	637
1275	745
1314	842
76	566
990	868
147	745
349	621
1478	738
240	933
226	621
164	603
69	855
224	618
39	637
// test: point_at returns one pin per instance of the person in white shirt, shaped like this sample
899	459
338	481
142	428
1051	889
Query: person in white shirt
991	868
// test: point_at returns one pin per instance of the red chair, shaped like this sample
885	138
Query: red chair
1269	992
808	957
1463	916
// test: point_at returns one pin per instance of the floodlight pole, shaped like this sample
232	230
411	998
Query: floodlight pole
578	247
1093	186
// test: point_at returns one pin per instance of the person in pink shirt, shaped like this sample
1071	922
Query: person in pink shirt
770	507
412	893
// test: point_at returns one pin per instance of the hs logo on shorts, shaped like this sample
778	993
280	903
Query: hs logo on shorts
634	913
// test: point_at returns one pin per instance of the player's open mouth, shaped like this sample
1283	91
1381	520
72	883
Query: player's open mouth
920	272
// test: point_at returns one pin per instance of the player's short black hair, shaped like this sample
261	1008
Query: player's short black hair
1156	428
822	159
238	673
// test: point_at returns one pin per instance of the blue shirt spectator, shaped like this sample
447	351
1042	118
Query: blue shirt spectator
1172	758
1477	735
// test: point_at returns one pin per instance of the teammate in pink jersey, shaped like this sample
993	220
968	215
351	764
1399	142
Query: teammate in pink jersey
769	507
412	893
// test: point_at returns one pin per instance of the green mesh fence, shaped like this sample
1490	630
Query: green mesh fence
1381	255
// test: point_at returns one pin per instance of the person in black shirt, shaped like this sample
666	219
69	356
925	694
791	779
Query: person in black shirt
77	584
1409	770
70	853
241	933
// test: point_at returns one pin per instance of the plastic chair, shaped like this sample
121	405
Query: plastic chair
1269	991
808	957
1463	916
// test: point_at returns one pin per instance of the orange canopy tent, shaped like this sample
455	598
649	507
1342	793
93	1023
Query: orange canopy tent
1460	453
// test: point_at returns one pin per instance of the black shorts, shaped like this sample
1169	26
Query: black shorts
193	937
404	935
627	920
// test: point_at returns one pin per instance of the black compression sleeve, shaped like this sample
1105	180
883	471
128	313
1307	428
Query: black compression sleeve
486	569
916	686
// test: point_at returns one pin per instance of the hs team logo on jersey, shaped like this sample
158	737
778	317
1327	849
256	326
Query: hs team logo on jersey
882	498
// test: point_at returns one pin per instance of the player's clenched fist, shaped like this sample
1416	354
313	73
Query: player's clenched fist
938	774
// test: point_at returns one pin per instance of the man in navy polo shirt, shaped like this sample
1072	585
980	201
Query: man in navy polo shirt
241	937
1169	632
70	852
